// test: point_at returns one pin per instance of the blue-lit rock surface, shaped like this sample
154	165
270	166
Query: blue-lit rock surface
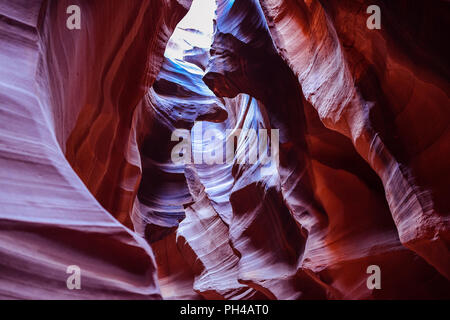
352	170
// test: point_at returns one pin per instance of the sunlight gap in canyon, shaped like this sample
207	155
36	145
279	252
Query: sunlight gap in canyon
87	181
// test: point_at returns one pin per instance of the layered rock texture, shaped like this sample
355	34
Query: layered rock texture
70	165
340	138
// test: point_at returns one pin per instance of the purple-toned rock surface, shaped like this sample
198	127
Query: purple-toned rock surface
87	138
69	98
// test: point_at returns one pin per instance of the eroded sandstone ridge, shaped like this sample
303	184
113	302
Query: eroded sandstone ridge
69	110
86	138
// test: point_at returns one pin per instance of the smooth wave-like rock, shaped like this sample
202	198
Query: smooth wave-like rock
342	234
360	176
370	92
68	101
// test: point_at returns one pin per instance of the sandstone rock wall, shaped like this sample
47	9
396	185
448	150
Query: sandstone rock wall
87	176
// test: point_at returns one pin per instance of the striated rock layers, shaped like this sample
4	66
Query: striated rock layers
355	177
70	105
360	176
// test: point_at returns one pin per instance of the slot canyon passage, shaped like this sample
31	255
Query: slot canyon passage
360	177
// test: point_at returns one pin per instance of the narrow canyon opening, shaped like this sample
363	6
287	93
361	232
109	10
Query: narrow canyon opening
353	123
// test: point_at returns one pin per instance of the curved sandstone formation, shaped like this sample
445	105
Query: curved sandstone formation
378	90
75	93
397	211
339	139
